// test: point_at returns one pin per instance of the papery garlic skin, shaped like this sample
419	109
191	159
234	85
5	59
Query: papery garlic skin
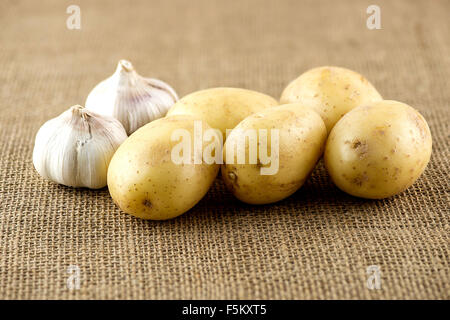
75	148
131	98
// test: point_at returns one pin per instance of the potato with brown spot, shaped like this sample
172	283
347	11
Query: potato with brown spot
367	164
301	139
222	108
144	181
331	92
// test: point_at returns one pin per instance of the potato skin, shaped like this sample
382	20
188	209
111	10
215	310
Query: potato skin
222	108
379	150
144	182
302	136
331	92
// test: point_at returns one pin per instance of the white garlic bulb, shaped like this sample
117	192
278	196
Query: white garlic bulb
75	148
131	98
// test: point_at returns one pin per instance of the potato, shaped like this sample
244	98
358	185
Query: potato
143	179
301	139
330	91
379	150
222	108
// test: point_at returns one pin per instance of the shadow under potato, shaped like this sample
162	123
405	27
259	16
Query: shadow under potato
318	196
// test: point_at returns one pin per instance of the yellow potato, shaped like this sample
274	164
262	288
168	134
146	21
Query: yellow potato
379	150
222	108
301	139
330	91
143	179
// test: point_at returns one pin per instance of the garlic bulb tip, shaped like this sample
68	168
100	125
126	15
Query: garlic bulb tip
131	98
75	148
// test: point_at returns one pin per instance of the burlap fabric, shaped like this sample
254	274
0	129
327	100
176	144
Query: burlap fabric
316	244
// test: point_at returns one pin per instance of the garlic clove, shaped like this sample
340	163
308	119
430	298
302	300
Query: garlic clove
75	148
131	98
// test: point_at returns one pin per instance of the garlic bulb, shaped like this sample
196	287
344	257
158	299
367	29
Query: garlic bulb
131	98
76	147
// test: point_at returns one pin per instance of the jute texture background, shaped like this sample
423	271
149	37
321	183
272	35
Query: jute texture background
316	244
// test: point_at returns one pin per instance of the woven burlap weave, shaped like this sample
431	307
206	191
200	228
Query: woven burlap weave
317	244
